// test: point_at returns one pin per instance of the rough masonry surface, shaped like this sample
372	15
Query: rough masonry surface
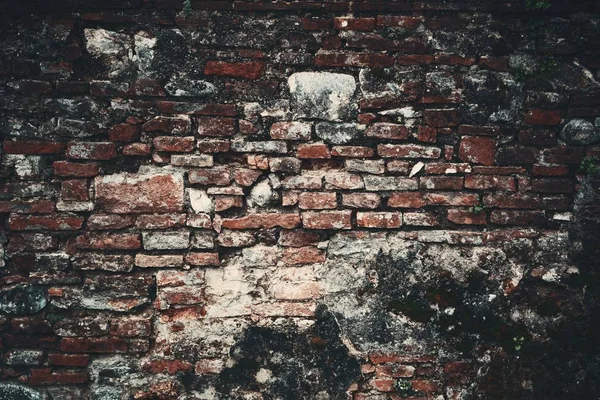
366	200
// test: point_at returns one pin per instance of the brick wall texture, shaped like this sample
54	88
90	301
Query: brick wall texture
304	199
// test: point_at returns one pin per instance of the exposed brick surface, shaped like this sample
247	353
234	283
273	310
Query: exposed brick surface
299	199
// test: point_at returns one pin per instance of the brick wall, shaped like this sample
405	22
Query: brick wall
303	199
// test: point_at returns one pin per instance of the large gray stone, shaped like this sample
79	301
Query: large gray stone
322	95
339	133
580	132
22	300
11	391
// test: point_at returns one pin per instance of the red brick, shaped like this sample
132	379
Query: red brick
441	182
384	385
33	147
550	170
537	137
343	180
202	259
384	130
146	87
56	222
317	200
414	59
512	155
452	199
494	63
213	146
137	149
108	241
379	219
124	133
479	130
91	150
361	200
480	150
467	217
453	59
212	176
498	170
303	255
395	371
216	126
174	144
93	345
556	185
313	150
247	70
407	151
139	193
517	217
441	118
420	219
564	155
354	24
512	200
164	366
173	125
47	377
427	134
407	200
542	117
425	386
264	221
486	182
68	360
75	170
399	21
447	168
130	327
297	238
291	131
352	151
327	220
315	24
27	207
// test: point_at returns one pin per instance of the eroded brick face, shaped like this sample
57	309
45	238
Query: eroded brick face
299	200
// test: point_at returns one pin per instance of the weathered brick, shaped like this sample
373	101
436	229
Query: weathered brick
352	151
354	24
467	217
91	150
139	193
265	221
407	151
313	150
174	144
441	118
109	241
517	217
479	150
220	176
33	147
388	131
542	117
291	131
407	200
373	219
420	219
303	255
317	200
441	183
487	182
56	222
216	126
247	70
75	170
392	183
327	220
